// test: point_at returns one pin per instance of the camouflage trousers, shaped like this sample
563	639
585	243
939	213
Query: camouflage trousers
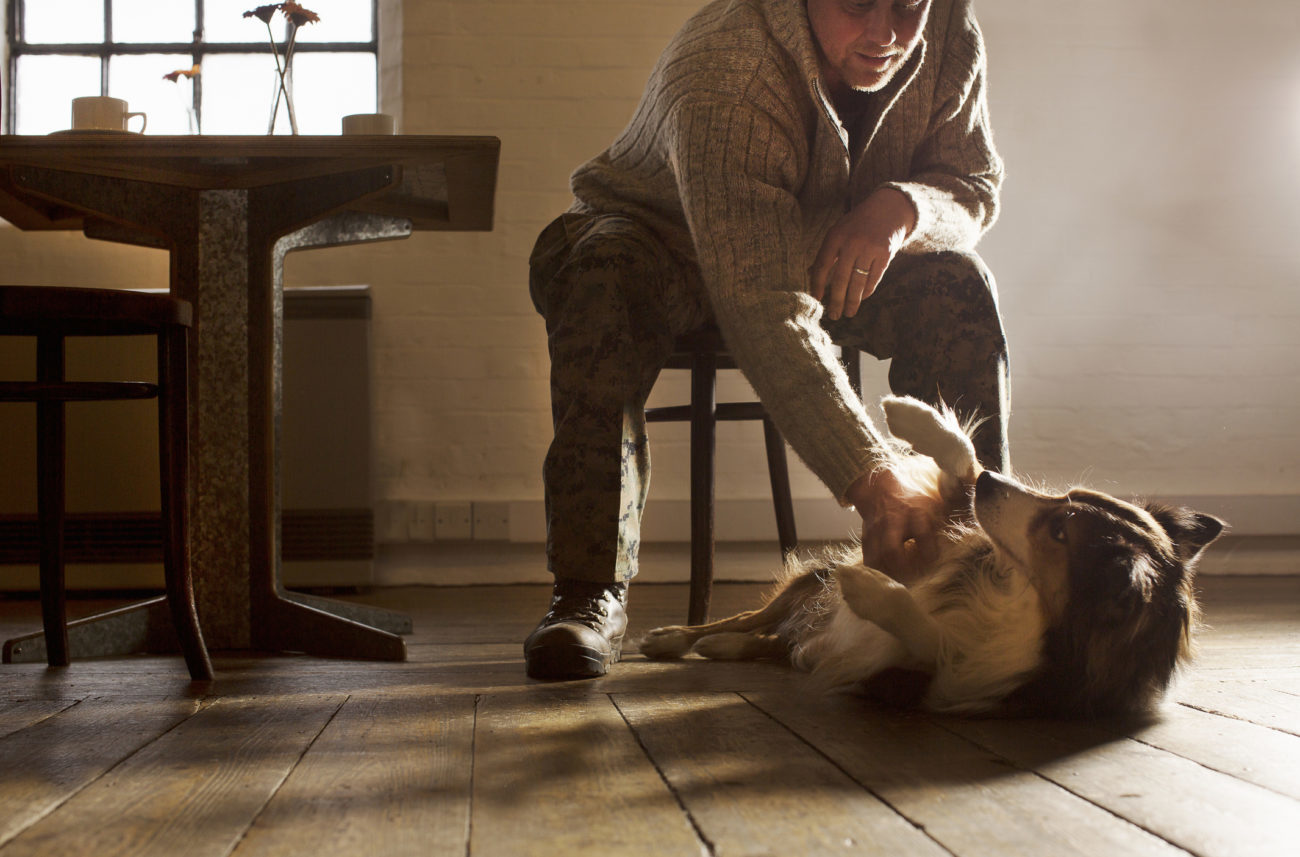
614	300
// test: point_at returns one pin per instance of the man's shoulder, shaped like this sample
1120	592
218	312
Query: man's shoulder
952	20
727	45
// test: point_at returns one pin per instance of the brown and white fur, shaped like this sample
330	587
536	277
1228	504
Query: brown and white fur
1077	604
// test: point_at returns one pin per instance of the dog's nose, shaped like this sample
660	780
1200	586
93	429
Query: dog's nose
990	484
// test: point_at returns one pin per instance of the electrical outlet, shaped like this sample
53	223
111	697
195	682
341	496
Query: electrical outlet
423	522
492	522
453	521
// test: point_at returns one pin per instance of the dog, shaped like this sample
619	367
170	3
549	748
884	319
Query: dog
1069	605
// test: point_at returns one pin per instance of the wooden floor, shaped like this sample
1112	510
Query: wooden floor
455	752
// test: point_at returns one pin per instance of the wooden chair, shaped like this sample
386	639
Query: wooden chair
50	315
703	353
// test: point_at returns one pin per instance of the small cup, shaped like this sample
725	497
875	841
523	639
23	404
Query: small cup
101	113
369	123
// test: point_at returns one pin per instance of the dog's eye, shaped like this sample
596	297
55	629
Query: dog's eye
1056	528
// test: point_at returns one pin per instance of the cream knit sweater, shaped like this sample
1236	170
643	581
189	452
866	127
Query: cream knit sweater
738	161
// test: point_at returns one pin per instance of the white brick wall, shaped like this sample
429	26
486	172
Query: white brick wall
1146	254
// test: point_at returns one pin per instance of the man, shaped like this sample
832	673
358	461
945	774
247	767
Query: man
797	171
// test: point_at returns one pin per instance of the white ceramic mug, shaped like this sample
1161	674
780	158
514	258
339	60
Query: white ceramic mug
102	113
369	123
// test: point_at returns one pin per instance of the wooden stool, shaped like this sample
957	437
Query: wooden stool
50	314
703	353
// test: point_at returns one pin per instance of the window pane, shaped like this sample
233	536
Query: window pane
46	87
224	21
340	21
327	87
139	81
151	21
67	21
237	93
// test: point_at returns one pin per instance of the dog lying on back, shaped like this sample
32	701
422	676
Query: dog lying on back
1077	604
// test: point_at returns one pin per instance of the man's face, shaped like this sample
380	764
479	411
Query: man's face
863	43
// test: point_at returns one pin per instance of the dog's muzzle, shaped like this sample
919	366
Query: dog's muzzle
994	486
1003	506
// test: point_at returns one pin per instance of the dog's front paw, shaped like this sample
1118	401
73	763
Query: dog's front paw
870	594
663	643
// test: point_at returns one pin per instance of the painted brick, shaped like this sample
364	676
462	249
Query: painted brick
1145	257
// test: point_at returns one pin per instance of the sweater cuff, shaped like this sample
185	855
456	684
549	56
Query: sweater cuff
923	201
871	461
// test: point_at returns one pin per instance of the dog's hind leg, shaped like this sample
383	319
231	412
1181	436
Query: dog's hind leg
934	434
674	641
878	598
733	646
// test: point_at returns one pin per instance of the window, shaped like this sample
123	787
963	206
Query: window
61	49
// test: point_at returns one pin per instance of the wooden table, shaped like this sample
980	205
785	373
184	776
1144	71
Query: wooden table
228	209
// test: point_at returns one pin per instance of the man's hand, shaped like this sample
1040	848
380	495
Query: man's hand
859	248
900	528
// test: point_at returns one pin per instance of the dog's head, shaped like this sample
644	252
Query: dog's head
1114	579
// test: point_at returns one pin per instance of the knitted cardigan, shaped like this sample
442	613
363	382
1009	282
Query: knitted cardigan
737	160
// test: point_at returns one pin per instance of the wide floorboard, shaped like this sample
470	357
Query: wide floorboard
455	752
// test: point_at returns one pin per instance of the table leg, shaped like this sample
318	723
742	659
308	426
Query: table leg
316	619
279	219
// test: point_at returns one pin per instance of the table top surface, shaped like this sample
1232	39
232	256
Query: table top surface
445	182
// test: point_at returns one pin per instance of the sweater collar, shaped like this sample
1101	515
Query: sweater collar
788	20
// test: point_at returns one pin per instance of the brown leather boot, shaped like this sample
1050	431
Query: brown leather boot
582	634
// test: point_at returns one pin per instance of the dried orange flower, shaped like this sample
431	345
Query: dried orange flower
263	13
299	14
175	76
294	12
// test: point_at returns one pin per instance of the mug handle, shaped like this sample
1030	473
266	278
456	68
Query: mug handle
144	120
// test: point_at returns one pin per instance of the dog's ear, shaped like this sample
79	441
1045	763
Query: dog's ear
1191	531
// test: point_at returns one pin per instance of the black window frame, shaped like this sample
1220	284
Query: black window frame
197	49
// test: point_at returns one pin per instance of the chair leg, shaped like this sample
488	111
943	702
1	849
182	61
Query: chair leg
778	472
173	459
51	497
703	440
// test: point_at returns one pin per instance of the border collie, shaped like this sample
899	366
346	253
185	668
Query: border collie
1076	604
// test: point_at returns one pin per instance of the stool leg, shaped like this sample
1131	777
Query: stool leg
173	460
703	440
778	472
51	495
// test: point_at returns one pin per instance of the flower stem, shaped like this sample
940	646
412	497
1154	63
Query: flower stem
279	73
288	58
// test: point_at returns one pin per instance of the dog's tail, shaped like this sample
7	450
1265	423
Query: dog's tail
751	635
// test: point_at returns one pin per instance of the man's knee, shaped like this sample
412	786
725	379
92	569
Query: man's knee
955	291
960	279
596	272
